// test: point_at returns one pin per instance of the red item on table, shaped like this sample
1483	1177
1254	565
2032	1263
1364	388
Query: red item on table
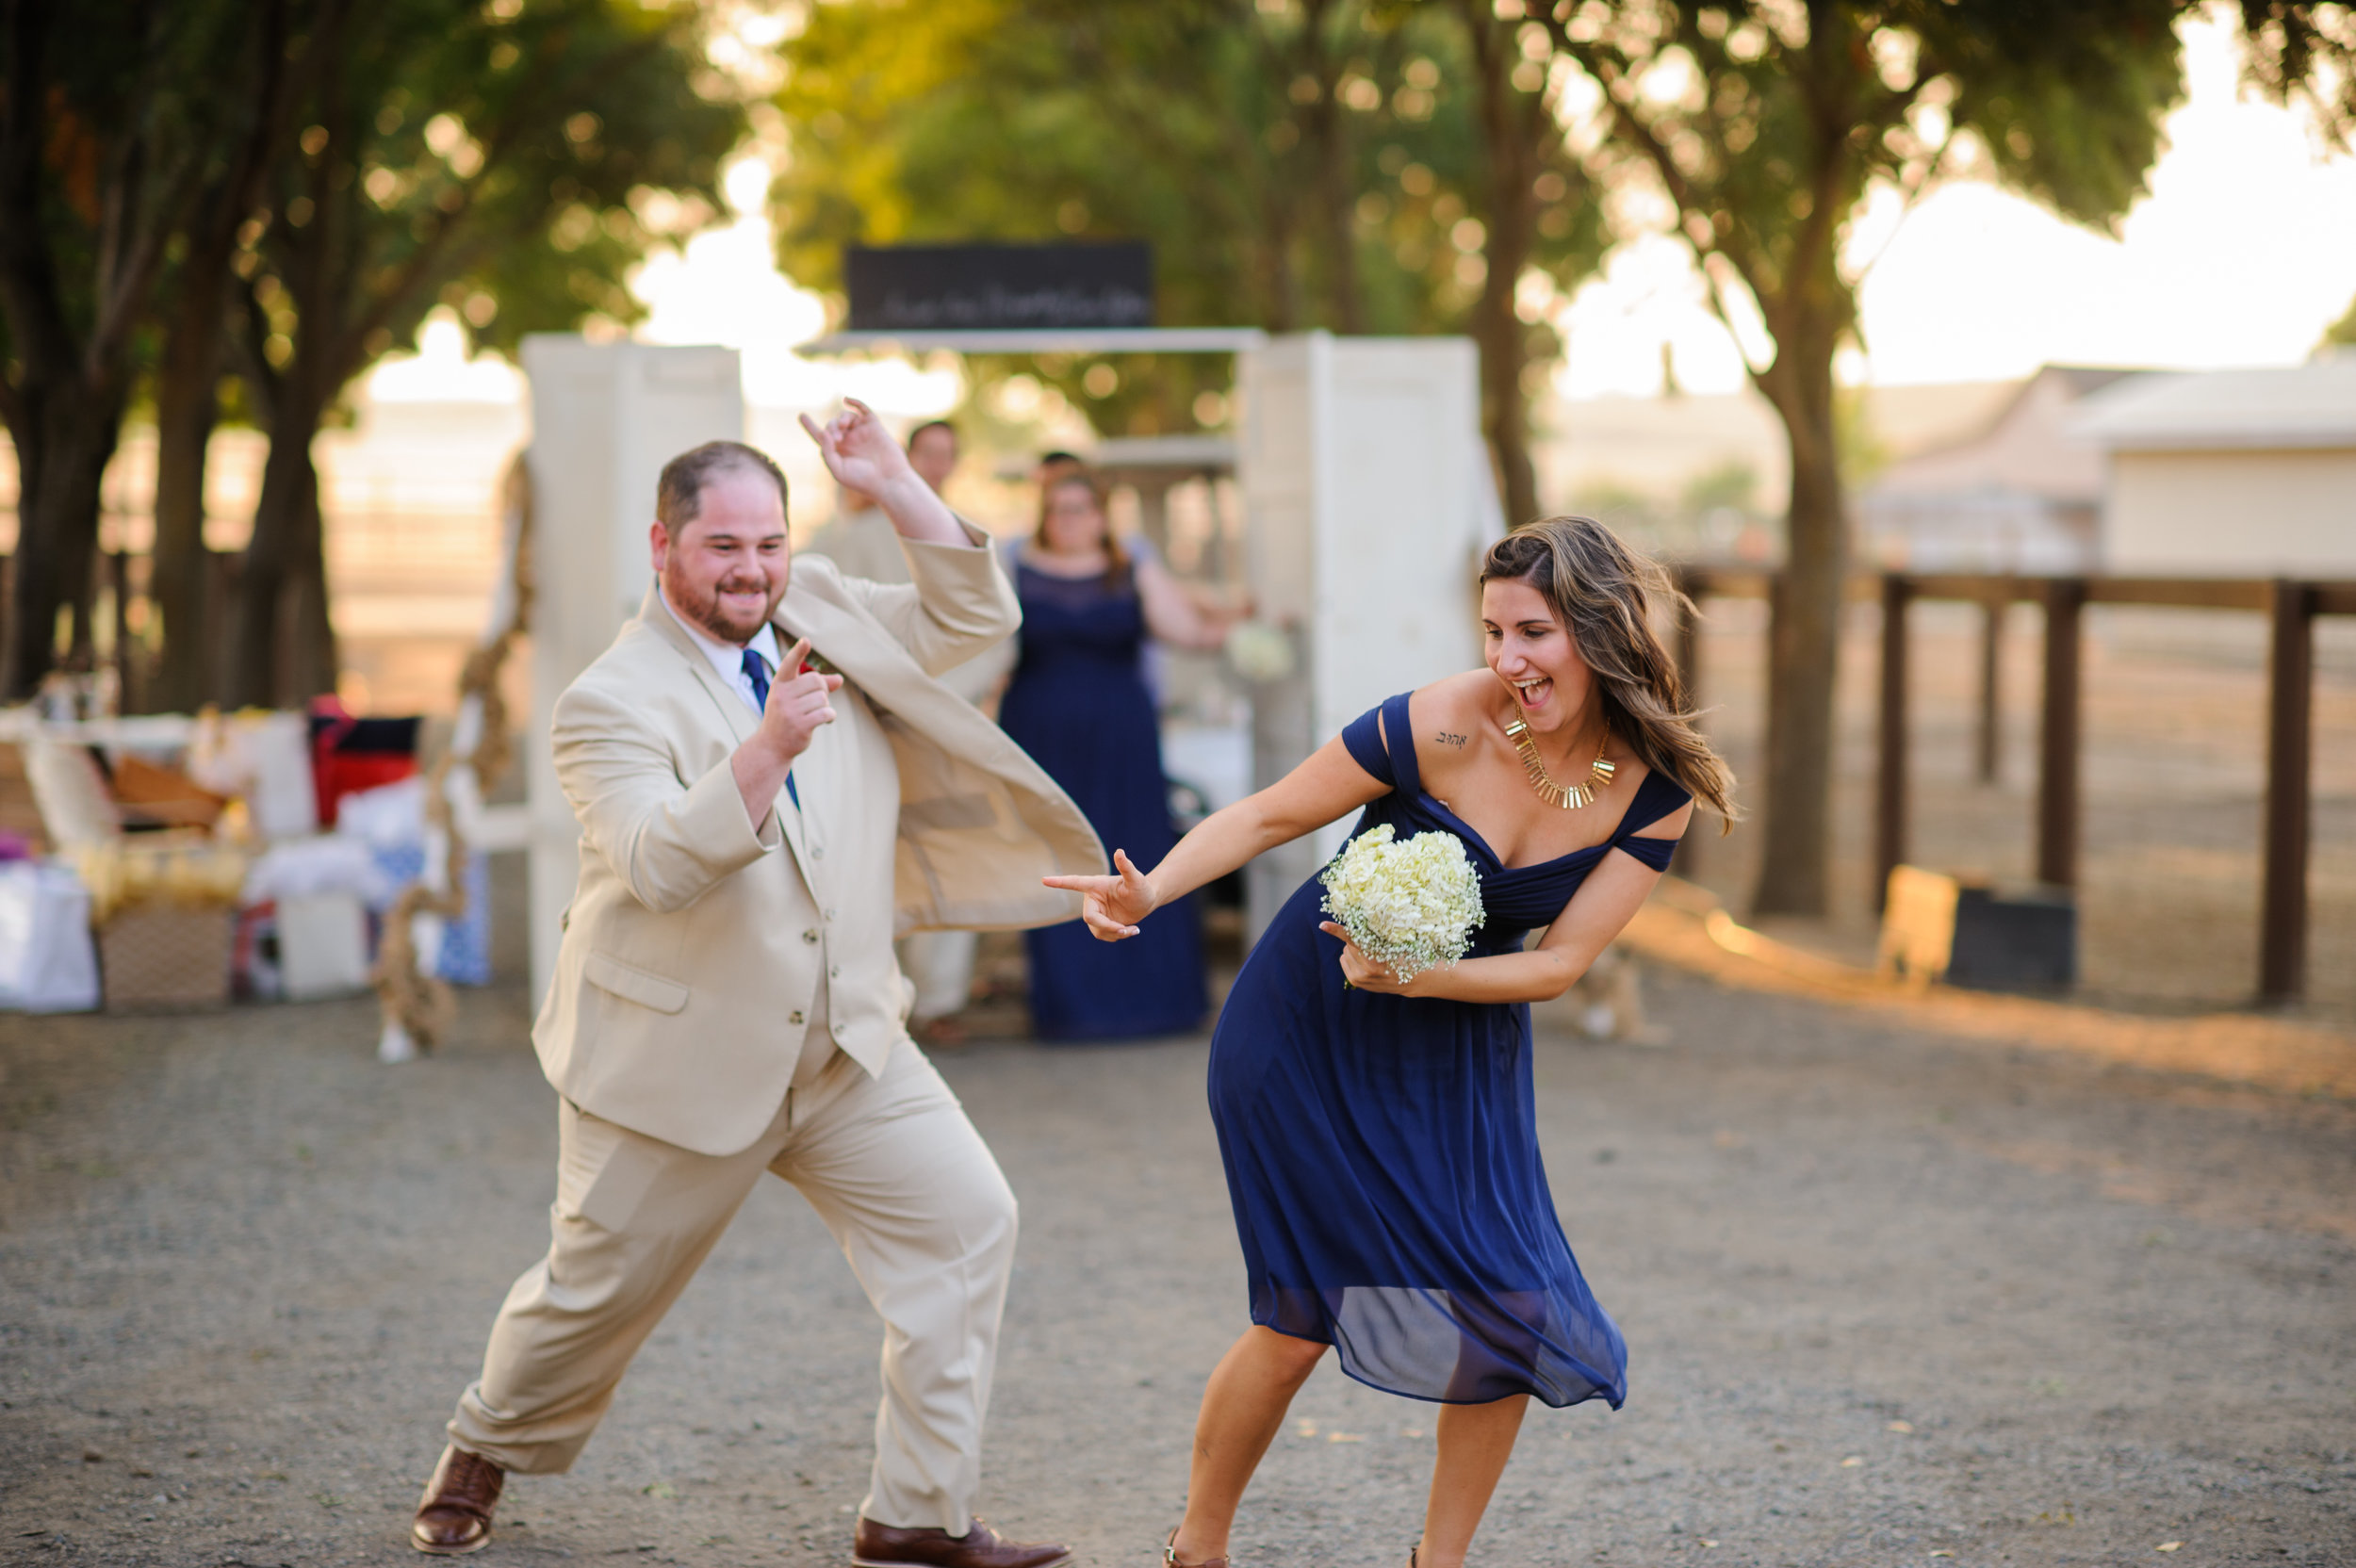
349	753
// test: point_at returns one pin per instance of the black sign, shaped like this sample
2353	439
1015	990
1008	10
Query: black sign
999	287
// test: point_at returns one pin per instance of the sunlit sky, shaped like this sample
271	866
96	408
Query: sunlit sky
2243	250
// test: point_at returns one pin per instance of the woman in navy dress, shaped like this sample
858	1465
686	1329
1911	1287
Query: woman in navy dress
1379	1137
1079	705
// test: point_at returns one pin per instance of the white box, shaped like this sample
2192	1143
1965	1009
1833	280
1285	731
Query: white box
322	946
47	961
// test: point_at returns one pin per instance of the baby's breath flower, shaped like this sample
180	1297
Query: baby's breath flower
1409	904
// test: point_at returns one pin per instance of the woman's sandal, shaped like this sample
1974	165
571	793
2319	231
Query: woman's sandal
1170	1557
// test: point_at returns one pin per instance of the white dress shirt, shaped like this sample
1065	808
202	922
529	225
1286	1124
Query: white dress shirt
729	658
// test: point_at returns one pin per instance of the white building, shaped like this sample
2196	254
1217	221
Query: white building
2023	493
2229	473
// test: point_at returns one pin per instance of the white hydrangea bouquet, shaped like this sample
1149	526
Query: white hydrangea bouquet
1409	904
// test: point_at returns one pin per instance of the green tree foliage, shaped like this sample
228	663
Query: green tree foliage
1766	125
509	158
2303	52
2342	333
1321	163
287	186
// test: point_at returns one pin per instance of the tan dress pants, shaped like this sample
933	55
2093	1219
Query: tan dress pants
896	1172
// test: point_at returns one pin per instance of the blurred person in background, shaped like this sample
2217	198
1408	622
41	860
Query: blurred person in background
933	452
863	543
1054	465
1079	704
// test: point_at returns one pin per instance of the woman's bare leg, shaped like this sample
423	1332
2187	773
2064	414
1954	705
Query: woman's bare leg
1474	1443
1245	1403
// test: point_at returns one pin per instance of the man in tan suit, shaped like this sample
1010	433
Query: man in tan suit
726	1001
861	542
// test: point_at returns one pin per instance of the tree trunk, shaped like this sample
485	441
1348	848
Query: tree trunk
1336	208
1512	155
65	437
1804	645
282	653
187	408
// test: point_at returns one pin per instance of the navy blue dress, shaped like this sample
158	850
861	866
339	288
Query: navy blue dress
1381	1152
1078	704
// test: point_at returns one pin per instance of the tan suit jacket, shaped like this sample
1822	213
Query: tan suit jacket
864	544
691	955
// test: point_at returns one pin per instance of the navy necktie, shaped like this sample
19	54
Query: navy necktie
757	671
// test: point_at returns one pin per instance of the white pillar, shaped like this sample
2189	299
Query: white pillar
605	418
1367	499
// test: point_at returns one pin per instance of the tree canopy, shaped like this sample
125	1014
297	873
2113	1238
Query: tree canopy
322	174
1322	164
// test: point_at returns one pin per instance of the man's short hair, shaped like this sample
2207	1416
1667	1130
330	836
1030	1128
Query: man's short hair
931	424
678	493
1046	458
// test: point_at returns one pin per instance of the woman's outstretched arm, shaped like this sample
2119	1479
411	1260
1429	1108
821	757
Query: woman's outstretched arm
1329	784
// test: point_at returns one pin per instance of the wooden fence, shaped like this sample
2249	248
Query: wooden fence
2291	607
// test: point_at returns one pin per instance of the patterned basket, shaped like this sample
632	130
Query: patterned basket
166	953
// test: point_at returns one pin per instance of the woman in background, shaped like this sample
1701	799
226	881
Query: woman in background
1079	704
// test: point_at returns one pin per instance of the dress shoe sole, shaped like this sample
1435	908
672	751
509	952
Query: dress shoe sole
903	1561
475	1545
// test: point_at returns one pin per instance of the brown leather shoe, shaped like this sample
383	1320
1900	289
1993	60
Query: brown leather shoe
454	1515
875	1545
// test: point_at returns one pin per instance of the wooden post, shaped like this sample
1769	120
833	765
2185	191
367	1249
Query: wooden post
2057	736
2290	717
1890	794
1991	683
119	582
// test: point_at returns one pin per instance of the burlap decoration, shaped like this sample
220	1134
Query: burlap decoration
422	1006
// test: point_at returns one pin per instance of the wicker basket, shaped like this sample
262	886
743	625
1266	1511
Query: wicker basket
166	953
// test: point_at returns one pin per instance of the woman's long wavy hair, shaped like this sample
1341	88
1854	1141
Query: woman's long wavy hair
1604	593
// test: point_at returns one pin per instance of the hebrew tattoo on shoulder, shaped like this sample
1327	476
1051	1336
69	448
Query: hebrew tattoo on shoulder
1446	738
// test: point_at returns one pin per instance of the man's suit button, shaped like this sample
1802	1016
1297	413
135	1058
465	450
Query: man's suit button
834	971
810	936
794	1017
818	852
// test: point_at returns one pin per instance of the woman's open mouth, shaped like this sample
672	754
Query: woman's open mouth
1532	694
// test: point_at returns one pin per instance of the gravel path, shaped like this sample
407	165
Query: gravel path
1888	1300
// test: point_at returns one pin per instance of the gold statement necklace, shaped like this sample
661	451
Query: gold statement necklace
1567	796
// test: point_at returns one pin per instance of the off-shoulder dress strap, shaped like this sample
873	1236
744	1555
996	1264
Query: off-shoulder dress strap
1363	738
1400	734
1658	796
1380	742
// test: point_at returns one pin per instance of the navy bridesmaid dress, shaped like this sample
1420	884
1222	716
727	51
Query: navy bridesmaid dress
1381	1152
1078	704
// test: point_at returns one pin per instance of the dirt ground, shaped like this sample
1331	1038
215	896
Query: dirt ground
1888	1299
